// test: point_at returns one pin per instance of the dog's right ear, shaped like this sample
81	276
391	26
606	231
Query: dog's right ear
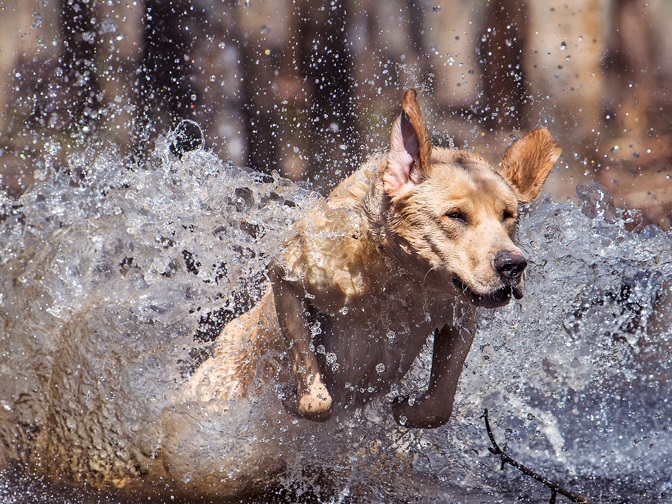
527	163
410	148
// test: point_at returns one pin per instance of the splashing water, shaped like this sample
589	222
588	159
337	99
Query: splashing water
115	283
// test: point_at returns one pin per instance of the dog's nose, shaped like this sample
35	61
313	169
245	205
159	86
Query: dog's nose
510	265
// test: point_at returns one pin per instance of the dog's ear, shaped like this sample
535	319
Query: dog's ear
527	163
410	147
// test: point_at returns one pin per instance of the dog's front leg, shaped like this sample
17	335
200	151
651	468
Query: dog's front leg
451	346
313	400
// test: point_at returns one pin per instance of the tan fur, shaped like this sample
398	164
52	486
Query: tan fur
522	162
406	245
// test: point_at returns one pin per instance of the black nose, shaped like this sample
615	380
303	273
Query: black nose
510	265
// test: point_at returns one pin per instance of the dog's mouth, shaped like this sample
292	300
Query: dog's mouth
496	298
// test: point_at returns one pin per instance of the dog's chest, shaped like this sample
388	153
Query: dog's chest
372	342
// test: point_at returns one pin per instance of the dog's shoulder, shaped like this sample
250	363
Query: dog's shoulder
333	251
356	189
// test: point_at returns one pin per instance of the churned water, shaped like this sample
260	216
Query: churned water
114	284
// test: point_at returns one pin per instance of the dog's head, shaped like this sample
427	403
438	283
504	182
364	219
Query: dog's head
452	216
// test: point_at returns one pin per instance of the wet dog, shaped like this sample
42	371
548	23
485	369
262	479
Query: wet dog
407	245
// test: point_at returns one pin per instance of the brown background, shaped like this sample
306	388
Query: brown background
309	88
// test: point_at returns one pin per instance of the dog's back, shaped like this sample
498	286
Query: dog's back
248	352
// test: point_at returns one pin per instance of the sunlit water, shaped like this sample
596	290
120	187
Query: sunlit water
115	281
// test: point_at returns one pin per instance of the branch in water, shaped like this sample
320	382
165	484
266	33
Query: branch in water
554	487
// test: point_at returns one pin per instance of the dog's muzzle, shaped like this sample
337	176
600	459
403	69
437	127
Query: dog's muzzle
510	267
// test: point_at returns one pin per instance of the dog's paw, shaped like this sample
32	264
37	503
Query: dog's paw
315	403
422	414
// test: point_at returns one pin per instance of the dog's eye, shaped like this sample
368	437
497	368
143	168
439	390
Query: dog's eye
506	215
457	215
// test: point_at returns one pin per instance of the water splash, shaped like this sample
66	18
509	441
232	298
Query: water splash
115	283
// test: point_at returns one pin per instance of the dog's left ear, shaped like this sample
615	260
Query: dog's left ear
410	148
528	162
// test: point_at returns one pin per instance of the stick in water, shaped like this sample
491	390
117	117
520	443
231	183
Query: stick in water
554	487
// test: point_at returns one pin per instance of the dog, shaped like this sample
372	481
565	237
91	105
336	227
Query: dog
407	245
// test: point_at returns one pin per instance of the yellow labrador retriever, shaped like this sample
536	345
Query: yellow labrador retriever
407	245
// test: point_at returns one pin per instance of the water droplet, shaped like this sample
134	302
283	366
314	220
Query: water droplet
108	26
563	46
380	368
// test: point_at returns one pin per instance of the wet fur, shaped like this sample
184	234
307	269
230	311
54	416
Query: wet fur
403	247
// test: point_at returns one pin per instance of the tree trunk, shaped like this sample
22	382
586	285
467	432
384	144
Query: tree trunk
78	61
166	93
501	57
326	65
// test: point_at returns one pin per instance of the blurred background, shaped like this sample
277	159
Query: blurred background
310	88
